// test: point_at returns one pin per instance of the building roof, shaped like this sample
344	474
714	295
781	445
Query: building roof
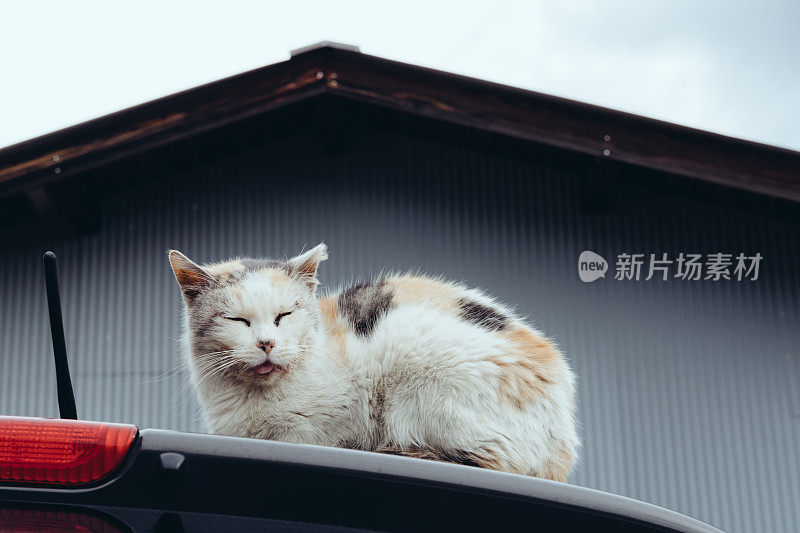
337	73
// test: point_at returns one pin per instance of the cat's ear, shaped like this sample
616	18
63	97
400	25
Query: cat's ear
304	266
191	276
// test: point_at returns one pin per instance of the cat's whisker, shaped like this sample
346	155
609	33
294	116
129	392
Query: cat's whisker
221	352
218	366
214	366
162	377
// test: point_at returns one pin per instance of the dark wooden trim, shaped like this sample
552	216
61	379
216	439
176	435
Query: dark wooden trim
516	113
104	140
567	124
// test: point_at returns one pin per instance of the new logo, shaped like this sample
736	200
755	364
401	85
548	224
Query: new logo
591	266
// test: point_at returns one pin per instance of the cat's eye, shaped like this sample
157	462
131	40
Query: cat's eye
281	315
239	319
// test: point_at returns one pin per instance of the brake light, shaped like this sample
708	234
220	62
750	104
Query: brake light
61	452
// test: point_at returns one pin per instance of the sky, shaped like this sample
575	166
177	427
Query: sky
725	66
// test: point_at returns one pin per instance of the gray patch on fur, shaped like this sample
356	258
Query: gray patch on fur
482	315
377	409
256	264
191	293
364	304
202	329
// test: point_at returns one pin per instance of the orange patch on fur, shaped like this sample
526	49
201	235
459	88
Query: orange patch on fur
419	290
278	277
330	312
559	465
330	321
528	368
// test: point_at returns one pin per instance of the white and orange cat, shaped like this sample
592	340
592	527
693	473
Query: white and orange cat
403	364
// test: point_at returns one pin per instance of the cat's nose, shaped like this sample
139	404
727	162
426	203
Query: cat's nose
267	346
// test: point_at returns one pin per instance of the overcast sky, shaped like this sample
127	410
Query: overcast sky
723	66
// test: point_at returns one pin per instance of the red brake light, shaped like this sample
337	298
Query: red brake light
62	452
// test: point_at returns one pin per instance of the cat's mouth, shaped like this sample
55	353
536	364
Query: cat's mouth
266	368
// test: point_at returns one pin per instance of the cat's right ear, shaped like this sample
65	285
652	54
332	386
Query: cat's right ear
191	276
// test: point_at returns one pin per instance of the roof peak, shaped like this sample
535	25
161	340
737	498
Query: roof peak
342	72
324	44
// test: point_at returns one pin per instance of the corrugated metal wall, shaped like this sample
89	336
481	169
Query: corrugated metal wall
688	390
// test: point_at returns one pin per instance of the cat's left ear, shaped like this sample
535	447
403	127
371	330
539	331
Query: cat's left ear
191	277
304	266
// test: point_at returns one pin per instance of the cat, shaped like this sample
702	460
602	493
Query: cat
403	364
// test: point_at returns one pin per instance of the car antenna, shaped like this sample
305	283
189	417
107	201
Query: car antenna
66	397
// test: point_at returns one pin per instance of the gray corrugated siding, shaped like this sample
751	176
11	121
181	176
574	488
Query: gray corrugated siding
688	390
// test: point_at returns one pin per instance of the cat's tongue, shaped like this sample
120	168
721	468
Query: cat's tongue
265	368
